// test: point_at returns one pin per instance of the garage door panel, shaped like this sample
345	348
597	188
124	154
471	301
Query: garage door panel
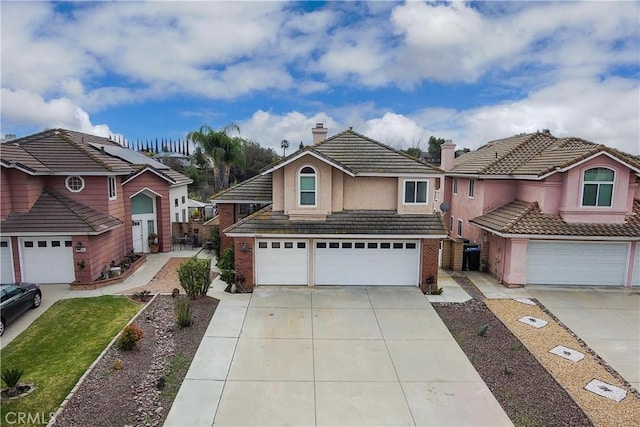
282	262
635	280
572	263
6	260
47	259
366	263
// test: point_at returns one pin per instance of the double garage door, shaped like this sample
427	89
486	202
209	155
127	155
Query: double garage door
47	259
338	262
573	263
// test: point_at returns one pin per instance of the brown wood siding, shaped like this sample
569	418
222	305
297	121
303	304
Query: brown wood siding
95	193
24	190
101	250
5	194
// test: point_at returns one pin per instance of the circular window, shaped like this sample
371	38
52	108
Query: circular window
74	184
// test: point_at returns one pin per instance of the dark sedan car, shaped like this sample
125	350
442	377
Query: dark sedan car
17	298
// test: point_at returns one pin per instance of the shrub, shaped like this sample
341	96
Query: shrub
482	330
11	377
118	364
143	295
129	337
195	276
215	240
184	317
227	260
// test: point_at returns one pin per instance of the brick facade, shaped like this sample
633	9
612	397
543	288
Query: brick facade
244	263
226	214
429	263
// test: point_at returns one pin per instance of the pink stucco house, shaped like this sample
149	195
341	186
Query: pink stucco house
71	203
347	210
546	210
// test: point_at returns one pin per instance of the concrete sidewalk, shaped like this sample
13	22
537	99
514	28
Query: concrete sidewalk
330	356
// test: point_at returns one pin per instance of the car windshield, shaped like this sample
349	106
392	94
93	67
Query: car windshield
8	291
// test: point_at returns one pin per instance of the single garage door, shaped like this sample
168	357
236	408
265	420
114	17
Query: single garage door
369	263
572	263
47	259
6	261
282	262
635	281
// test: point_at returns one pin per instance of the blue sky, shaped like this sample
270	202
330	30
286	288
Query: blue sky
397	72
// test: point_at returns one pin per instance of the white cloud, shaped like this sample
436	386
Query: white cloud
28	108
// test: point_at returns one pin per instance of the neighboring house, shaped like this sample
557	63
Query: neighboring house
547	210
346	211
71	203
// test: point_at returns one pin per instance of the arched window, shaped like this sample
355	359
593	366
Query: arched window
307	186
597	187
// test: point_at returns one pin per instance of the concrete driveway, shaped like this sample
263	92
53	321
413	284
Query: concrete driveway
331	356
607	319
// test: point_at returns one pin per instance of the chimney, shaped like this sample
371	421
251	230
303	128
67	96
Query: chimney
319	133
447	155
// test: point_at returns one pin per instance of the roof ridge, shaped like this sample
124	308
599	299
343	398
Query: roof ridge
531	206
518	147
62	133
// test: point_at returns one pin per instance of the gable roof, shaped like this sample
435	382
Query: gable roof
55	213
254	190
64	152
357	154
342	224
535	155
526	218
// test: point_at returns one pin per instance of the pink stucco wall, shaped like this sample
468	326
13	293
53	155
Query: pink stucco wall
465	208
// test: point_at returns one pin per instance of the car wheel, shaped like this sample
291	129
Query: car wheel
1	327
37	299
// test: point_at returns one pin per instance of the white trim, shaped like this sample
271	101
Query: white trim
422	175
143	190
459	228
66	183
338	236
454	186
313	154
9	241
556	236
472	188
69	233
149	169
231	202
112	179
315	185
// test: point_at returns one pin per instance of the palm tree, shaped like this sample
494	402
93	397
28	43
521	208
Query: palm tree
284	145
230	152
217	147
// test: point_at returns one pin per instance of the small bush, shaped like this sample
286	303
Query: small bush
482	330
143	295
195	276
227	260
129	337
11	377
118	364
184	316
507	370
215	240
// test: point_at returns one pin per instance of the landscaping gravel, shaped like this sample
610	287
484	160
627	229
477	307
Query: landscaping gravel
142	391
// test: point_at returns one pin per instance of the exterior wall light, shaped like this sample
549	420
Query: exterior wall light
244	247
80	247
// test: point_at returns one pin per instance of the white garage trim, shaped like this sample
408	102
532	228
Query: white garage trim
282	262
635	279
577	263
47	259
369	263
6	260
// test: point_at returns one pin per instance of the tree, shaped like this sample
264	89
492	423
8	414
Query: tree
284	145
256	158
414	152
435	145
301	146
219	149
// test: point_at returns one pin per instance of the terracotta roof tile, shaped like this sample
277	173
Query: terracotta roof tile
524	218
53	212
256	189
363	222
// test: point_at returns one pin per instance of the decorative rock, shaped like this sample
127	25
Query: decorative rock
567	353
606	390
533	321
525	301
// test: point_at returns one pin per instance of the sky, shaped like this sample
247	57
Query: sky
397	72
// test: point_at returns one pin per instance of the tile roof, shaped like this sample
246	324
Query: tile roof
363	155
256	189
525	218
357	222
65	151
53	212
533	154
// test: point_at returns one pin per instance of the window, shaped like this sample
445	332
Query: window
372	245
597	188
347	245
275	245
177	217
455	186
415	192
385	245
55	243
4	244
410	246
111	180
397	246
459	227
175	202
472	187
42	243
28	244
450	223
321	245
67	243
183	200
262	245
288	245
302	245
359	245
334	245
307	187
75	184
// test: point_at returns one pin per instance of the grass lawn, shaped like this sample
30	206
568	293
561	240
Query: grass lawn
58	348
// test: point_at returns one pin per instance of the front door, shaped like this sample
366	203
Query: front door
138	245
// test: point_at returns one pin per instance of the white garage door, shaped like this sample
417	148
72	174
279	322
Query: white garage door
366	262
635	281
47	259
6	262
572	263
282	262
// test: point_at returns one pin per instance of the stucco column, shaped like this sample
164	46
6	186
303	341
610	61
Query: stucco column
516	262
